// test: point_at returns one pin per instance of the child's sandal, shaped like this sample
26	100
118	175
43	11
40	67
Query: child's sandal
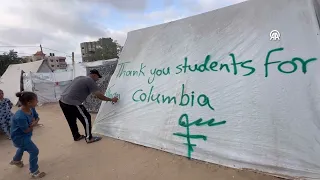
37	174
17	163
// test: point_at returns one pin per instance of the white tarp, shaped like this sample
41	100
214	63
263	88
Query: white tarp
48	86
251	102
10	80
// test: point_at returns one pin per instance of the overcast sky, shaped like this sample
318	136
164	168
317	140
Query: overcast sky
62	25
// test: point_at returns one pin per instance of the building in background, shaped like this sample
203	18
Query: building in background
104	48
38	56
54	62
35	57
88	49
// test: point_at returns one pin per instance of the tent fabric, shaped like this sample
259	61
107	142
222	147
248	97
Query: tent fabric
249	103
10	80
48	86
106	70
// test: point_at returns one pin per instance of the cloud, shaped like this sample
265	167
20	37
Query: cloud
155	16
186	8
67	22
126	5
52	16
63	24
23	35
59	25
200	6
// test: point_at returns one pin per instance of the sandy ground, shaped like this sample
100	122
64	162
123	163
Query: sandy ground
63	159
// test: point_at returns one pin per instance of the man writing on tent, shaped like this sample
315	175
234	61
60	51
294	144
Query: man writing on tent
71	104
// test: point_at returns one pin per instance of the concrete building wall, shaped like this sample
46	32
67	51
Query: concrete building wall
88	48
56	62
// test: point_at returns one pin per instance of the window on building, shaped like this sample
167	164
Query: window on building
51	60
57	60
82	54
52	65
58	66
82	47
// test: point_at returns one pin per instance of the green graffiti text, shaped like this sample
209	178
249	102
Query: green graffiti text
158	72
292	63
215	66
123	71
184	122
185	98
110	94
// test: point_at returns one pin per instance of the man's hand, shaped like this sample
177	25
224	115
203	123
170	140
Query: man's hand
114	100
104	98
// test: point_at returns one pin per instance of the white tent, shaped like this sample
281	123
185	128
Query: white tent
48	86
10	80
214	87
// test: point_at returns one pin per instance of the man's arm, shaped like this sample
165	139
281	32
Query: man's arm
94	89
102	96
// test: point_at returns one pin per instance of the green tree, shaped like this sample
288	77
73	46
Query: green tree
107	48
8	58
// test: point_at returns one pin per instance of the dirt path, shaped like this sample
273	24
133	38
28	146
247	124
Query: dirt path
64	159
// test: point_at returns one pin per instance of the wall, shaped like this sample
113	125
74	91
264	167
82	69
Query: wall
54	62
86	49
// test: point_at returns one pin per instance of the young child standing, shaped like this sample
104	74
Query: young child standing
22	125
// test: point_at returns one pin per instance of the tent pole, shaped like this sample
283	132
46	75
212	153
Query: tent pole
73	68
